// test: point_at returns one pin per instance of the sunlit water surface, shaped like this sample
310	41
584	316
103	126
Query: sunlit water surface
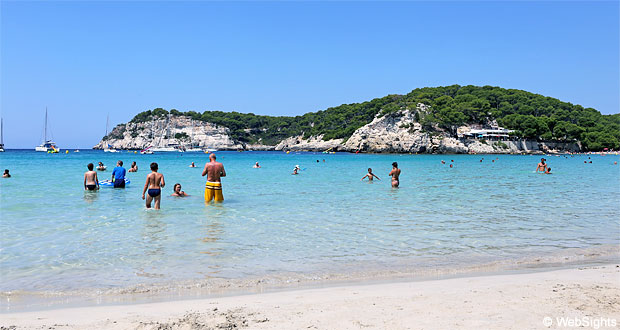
56	237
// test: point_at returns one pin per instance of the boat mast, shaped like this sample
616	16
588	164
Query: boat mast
107	123
45	134
1	131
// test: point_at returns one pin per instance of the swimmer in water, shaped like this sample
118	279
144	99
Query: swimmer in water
256	165
395	174
542	166
177	192
134	167
548	171
370	175
6	174
91	182
192	165
296	170
154	183
101	167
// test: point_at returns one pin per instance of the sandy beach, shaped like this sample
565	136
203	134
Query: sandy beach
514	301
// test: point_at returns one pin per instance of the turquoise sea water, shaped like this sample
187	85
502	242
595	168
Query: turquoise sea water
57	237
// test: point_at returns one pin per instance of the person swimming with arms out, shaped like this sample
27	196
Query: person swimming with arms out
256	165
542	166
6	174
154	183
134	167
214	171
395	174
91	182
177	192
370	175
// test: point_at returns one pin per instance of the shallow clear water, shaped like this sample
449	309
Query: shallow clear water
55	236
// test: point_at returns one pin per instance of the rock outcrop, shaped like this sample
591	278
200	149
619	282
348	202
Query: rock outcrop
313	143
394	132
179	130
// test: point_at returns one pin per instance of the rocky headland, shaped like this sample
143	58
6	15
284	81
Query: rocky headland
395	132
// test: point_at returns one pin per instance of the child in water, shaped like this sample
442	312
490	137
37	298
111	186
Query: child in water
134	167
177	192
370	175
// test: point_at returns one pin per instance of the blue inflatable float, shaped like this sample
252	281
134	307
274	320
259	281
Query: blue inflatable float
109	183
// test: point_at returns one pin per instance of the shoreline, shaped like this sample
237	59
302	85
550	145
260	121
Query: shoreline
162	292
511	301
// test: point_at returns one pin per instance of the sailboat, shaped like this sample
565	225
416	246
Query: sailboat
47	145
1	137
108	147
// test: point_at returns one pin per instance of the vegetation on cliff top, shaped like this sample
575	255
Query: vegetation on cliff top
532	116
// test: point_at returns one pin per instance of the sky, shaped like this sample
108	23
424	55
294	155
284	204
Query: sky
85	60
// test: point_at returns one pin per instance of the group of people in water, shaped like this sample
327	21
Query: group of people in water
214	171
155	181
394	173
542	167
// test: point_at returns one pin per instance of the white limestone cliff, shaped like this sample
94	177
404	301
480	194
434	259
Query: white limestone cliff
162	132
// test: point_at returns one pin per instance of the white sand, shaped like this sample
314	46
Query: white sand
519	301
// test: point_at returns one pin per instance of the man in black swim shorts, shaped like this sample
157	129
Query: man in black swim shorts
91	182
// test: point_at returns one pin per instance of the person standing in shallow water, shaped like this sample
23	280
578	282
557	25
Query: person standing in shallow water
214	171
154	183
542	166
91	182
395	174
118	175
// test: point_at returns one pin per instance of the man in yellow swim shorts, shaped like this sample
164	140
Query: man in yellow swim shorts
214	171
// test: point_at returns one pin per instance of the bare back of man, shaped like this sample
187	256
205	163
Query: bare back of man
154	182
90	180
214	171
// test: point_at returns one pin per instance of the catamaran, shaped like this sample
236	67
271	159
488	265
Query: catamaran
1	137
47	145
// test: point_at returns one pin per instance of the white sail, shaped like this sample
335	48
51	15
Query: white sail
47	145
108	148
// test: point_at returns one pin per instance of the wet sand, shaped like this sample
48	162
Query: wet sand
515	301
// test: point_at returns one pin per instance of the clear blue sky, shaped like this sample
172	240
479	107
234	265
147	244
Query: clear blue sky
84	60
